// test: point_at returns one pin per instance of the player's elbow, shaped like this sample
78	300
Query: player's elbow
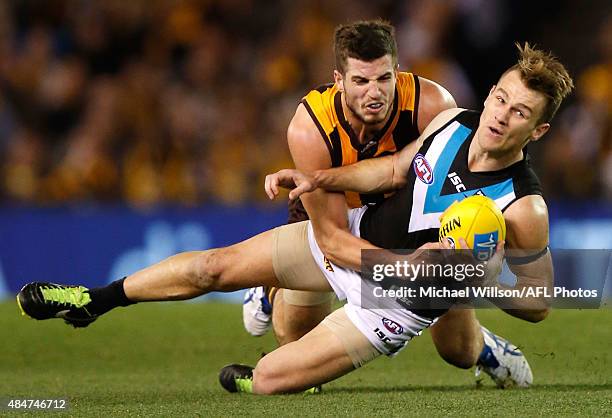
326	241
398	182
539	315
531	315
337	246
539	312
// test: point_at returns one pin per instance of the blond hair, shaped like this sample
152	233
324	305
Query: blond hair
541	71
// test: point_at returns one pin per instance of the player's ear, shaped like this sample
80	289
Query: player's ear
339	80
539	131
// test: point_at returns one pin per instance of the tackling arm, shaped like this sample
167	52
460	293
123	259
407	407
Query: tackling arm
389	173
375	175
380	174
327	211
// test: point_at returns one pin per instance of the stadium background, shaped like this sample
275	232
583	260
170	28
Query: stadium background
130	130
133	130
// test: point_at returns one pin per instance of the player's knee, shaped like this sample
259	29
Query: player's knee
463	355
266	379
460	349
209	267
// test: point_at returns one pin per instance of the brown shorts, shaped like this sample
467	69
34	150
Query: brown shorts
357	346
294	266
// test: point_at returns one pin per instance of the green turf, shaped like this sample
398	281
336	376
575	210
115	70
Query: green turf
163	359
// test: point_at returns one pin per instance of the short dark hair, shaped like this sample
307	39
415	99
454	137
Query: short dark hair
365	41
541	71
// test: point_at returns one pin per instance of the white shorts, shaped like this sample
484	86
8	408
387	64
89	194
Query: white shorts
389	330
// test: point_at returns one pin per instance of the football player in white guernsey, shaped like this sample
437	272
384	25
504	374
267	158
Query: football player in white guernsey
517	111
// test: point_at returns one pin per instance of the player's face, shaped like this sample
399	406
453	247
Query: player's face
369	88
510	116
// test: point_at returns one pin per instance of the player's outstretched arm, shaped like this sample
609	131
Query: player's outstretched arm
380	175
528	257
373	175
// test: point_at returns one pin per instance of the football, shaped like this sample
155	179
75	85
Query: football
478	220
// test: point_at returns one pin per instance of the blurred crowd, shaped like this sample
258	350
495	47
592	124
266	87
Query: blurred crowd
577	163
187	102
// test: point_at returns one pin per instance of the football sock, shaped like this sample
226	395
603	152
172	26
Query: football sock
103	299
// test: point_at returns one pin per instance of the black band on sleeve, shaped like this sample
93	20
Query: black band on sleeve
517	261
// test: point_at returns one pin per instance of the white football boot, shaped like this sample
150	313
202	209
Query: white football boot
256	311
504	362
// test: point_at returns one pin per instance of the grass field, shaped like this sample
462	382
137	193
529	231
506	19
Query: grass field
163	360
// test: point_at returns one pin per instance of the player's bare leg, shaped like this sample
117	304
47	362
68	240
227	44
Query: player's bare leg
291	322
316	358
179	277
463	342
191	274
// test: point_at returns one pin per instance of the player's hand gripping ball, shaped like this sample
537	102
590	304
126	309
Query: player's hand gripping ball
479	221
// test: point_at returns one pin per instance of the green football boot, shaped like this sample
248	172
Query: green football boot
237	378
49	300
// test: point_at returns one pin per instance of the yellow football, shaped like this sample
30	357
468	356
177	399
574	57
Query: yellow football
478	220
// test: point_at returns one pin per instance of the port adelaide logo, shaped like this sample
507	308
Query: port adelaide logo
422	169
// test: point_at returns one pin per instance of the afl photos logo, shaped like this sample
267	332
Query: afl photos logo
422	169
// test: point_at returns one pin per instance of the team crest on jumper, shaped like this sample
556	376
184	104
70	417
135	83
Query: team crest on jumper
422	169
484	245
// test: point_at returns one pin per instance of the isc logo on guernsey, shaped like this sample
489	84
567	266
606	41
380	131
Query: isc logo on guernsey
422	169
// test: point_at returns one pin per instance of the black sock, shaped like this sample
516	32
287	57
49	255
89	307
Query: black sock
103	299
